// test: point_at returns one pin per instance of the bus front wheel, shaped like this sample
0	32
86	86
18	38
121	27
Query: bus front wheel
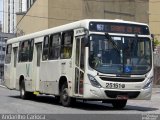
119	104
65	99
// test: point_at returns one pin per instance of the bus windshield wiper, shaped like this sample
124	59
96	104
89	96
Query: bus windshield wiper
109	38
134	44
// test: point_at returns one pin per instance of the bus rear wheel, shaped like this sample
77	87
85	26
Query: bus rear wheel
65	99
119	104
57	99
23	93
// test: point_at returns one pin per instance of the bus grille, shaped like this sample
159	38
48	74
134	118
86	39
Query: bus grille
129	94
123	79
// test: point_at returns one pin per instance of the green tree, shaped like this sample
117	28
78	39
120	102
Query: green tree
156	42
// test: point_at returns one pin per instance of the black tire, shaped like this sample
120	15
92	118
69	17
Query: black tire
57	99
65	99
119	104
23	93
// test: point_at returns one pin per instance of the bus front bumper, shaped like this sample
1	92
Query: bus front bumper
92	92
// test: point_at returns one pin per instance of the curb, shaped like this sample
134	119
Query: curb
156	86
2	86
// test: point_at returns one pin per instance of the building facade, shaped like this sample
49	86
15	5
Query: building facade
11	7
154	18
29	3
51	13
3	40
154	22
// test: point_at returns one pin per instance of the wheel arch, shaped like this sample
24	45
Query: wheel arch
21	78
62	80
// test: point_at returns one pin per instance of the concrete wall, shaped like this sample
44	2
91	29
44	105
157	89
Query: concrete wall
36	18
142	11
156	69
154	18
64	11
132	10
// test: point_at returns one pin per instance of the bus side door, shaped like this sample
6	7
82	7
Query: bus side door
37	61
13	67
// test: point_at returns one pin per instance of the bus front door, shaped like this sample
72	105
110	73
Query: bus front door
79	65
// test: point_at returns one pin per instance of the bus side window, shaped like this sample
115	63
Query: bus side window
31	47
66	48
24	51
8	54
54	46
45	48
20	50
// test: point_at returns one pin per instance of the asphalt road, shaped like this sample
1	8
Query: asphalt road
10	103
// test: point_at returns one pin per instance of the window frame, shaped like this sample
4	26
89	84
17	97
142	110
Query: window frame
54	49
8	54
45	55
68	53
25	53
31	49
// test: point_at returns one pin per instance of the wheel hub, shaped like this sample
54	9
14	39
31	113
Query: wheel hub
22	92
65	95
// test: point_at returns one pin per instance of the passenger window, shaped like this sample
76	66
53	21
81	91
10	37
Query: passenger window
66	48
24	51
54	46
45	48
31	48
8	54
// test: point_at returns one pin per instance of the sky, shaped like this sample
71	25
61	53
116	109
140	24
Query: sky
1	9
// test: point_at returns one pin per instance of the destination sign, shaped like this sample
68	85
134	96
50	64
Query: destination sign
124	28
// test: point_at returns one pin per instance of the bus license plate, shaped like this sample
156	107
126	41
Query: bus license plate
122	97
115	85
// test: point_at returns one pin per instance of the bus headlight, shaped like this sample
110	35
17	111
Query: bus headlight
93	81
149	83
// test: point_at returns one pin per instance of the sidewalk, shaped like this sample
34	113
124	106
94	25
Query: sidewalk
2	86
2	83
156	89
156	86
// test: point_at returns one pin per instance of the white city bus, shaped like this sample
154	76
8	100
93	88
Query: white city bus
92	59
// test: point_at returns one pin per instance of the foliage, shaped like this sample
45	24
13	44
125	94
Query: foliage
156	42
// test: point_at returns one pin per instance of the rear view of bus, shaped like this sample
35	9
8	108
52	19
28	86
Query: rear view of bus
120	65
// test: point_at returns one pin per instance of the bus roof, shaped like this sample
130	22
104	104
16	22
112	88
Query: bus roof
82	23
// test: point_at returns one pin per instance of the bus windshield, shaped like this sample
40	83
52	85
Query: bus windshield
120	54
